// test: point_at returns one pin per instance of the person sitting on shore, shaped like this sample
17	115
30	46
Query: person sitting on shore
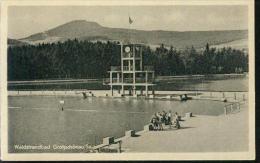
154	122
164	120
160	119
169	117
176	120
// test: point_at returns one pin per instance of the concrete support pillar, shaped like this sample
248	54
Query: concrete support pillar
146	81
111	77
123	90
119	147
141	60
146	77
134	90
122	63
111	89
130	91
111	83
129	65
118	78
146	90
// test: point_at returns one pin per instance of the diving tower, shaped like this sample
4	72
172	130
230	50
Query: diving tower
132	78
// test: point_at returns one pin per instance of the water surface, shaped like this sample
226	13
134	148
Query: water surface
209	83
38	120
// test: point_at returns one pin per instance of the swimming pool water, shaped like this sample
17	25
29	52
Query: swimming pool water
38	120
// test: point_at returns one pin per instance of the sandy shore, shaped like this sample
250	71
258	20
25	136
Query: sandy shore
198	134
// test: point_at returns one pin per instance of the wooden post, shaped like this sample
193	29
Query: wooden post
235	96
231	108
225	110
244	97
223	94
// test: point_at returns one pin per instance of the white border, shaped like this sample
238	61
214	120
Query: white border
250	155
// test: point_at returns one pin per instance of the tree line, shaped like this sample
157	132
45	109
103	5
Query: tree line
84	59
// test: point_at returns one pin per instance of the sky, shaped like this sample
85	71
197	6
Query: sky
27	20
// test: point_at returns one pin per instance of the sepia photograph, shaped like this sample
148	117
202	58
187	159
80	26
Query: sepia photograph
127	80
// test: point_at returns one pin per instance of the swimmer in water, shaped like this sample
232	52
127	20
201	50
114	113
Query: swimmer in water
84	95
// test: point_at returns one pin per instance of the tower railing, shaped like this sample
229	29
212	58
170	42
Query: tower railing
128	80
130	55
128	68
148	68
115	68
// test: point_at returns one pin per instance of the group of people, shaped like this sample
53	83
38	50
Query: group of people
166	118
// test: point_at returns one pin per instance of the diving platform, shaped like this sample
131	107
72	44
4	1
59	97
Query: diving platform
132	75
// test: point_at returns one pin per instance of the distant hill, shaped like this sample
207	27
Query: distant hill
14	42
237	44
92	31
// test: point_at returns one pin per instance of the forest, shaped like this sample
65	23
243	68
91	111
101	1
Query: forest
84	59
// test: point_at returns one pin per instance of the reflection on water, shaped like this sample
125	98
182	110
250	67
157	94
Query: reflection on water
229	84
213	83
40	121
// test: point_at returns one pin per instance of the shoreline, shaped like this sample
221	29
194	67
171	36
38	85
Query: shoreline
100	79
164	95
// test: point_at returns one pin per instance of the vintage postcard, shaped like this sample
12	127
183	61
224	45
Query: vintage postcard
127	80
